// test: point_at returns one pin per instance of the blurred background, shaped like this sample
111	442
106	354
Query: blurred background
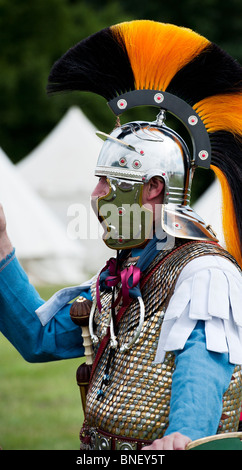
33	34
51	141
48	152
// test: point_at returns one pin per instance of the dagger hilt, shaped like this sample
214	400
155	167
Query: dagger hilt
79	312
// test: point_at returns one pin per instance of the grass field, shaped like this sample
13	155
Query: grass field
40	404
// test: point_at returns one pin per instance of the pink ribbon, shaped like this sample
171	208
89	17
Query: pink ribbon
126	276
132	273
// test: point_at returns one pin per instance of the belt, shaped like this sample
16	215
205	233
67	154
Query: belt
101	440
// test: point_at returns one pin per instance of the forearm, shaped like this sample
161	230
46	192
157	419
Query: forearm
199	382
59	339
6	246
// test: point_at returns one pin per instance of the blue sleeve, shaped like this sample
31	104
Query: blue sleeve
200	379
59	339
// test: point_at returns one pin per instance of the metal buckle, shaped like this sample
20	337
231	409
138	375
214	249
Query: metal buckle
101	442
124	445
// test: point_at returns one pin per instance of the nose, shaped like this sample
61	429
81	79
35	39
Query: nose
102	188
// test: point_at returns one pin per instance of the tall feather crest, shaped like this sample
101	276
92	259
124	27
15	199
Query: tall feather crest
145	54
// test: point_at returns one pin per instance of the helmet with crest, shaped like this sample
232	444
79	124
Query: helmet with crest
147	63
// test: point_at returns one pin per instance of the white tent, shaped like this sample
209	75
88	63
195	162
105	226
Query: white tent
64	161
40	239
209	207
61	171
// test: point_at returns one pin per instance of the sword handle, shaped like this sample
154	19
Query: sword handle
87	343
79	313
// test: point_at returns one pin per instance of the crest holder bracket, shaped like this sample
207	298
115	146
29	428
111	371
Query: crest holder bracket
178	108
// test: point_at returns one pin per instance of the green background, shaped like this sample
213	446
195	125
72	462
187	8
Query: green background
40	406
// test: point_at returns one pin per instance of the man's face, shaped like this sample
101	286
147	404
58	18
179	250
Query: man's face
127	210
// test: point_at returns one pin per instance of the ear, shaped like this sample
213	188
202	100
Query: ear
153	189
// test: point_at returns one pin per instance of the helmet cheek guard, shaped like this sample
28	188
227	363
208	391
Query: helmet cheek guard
125	221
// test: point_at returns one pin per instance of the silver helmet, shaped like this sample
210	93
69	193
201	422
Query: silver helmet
131	155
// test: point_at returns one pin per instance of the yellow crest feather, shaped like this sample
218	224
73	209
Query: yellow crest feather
229	221
157	51
221	112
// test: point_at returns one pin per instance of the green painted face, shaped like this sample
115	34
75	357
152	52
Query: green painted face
126	222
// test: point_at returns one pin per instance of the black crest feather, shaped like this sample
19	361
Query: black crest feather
212	72
97	64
